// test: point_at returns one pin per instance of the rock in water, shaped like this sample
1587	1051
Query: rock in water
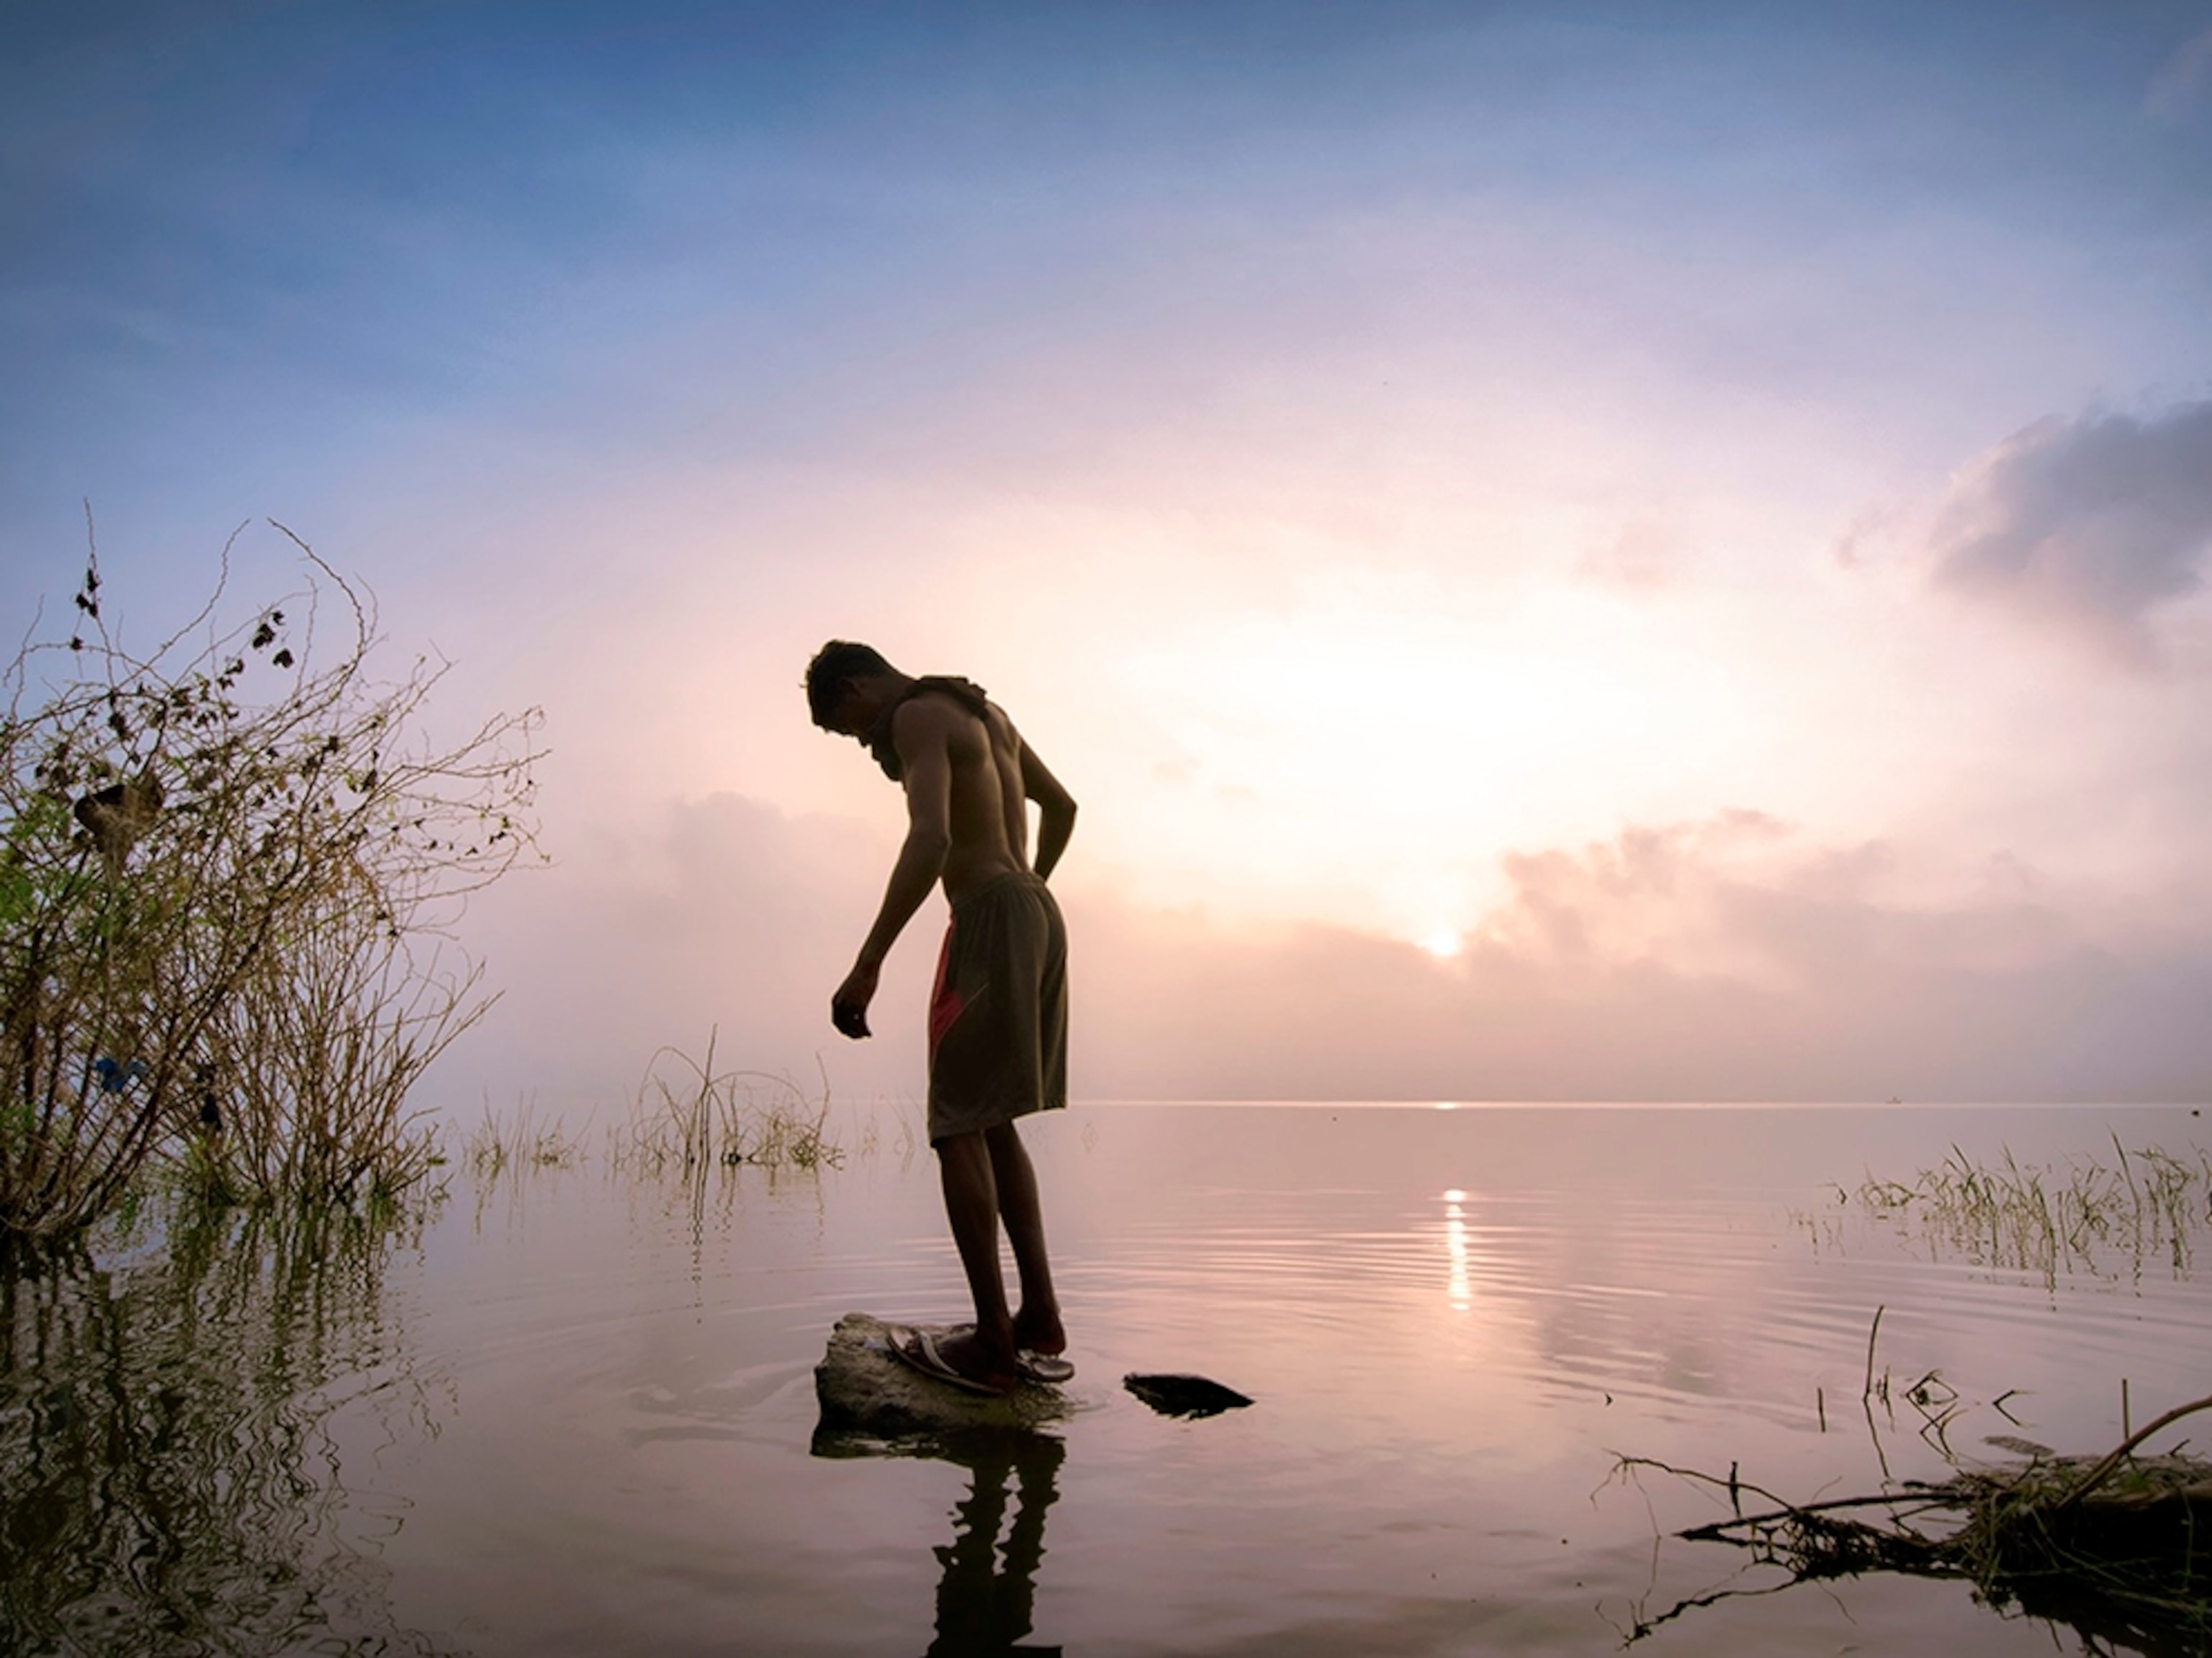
1184	1396
864	1388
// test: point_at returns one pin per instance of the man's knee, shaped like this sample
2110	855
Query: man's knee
969	1143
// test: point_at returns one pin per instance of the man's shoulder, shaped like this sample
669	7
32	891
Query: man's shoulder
951	702
926	721
953	688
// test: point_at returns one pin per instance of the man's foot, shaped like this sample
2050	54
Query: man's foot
1046	1369
1040	1331
1039	1341
958	1359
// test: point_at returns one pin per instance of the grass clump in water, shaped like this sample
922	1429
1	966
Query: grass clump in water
689	1118
502	1144
2054	1218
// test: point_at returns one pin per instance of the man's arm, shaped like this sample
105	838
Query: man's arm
1055	811
925	762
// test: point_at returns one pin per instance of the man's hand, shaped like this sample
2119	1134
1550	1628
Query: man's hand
848	1008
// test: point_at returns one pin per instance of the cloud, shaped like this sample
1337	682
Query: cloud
2089	525
1869	532
1728	959
2183	84
722	915
1717	961
1644	555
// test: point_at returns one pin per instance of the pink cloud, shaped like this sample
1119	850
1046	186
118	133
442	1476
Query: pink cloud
1726	960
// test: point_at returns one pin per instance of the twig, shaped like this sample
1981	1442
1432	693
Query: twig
1621	1463
2098	1475
1714	1530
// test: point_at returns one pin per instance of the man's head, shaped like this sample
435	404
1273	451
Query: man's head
839	668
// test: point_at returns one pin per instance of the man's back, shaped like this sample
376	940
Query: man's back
985	816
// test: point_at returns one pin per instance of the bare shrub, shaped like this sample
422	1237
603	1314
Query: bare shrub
225	876
358	1008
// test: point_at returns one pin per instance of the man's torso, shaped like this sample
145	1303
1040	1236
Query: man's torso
988	823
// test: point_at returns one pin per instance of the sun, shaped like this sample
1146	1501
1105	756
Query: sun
1443	940
1373	766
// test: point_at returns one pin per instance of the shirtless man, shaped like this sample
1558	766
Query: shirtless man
998	1016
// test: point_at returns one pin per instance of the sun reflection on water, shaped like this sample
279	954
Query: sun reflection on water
1459	1287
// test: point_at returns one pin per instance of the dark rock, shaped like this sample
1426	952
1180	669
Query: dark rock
862	1387
1184	1396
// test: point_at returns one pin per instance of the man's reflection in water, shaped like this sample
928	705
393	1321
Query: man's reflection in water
987	1586
986	1577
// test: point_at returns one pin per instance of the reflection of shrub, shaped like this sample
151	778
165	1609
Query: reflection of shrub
170	1432
223	868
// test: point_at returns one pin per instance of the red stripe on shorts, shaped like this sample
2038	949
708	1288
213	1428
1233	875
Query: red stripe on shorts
944	1002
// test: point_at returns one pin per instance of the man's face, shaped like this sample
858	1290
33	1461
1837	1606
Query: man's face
854	715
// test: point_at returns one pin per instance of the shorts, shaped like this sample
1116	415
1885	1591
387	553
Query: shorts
998	1016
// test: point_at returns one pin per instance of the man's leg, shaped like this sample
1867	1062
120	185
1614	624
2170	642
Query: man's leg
1037	1326
966	1168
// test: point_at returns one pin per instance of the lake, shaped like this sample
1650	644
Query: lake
571	1410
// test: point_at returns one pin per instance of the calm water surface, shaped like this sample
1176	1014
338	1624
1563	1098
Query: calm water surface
573	1412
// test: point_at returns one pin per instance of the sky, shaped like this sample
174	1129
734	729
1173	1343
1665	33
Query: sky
1566	552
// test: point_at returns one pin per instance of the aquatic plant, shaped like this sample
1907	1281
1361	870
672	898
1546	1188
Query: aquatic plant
686	1119
2109	1545
689	1118
2051	1218
501	1144
226	871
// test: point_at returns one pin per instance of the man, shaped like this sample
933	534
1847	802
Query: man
998	1016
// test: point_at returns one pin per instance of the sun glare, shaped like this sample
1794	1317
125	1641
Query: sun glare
1374	764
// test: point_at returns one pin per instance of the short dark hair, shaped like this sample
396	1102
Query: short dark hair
834	667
